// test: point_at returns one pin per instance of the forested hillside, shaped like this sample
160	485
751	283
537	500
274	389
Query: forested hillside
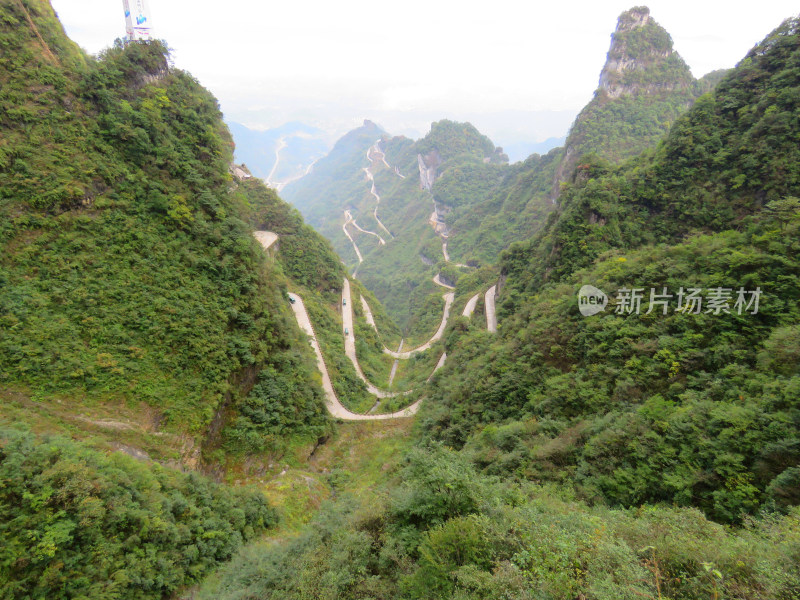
644	87
137	313
78	524
692	409
128	266
152	366
461	165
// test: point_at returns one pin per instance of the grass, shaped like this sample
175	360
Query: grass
355	459
110	425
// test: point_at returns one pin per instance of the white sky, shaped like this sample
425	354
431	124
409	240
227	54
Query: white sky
403	64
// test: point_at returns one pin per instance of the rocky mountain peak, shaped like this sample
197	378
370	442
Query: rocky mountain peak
641	58
638	16
644	86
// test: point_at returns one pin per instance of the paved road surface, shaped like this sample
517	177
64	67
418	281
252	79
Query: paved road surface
469	308
374	192
368	314
348	220
281	145
438	366
447	256
357	226
279	185
438	281
372	189
331	401
395	364
491	317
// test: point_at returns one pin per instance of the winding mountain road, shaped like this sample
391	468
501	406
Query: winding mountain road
437	279
448	302
368	314
279	185
362	230
377	201
376	149
469	308
281	145
348	220
396	363
447	257
491	316
331	401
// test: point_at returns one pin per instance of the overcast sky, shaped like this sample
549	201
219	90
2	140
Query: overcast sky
403	64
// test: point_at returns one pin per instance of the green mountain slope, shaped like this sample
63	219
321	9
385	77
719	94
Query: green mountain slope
130	276
139	314
399	271
79	524
644	86
682	408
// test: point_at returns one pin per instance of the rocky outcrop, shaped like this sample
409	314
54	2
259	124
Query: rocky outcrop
639	56
428	167
240	172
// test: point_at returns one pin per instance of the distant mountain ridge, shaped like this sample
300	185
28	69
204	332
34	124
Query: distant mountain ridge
280	154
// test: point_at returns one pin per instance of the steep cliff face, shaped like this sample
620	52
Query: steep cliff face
428	166
644	86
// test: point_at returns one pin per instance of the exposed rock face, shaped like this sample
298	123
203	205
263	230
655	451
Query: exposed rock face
153	74
428	166
240	172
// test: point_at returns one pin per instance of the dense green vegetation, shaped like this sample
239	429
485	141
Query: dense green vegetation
623	455
446	531
128	268
513	210
687	409
78	524
487	205
396	273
